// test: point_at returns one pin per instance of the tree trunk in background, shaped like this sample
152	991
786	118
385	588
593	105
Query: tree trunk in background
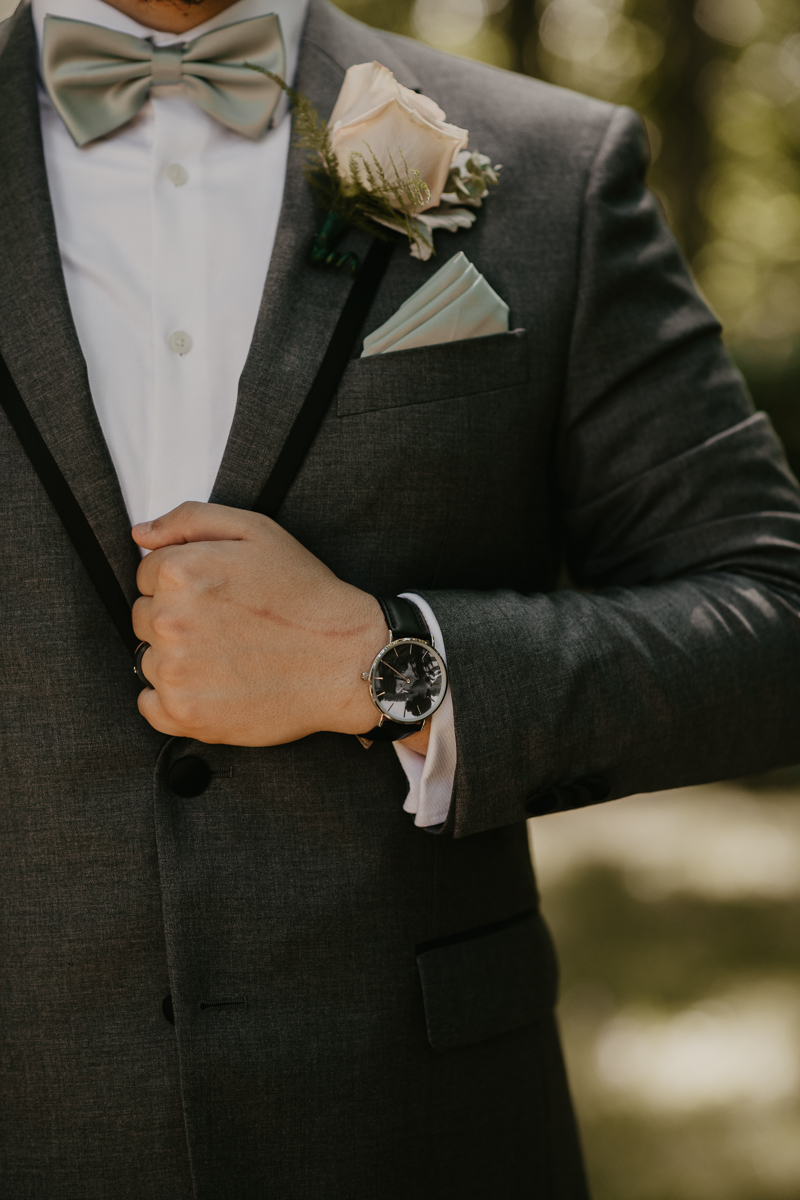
522	29
676	102
678	108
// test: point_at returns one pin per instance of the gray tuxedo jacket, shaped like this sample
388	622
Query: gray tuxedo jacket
361	1008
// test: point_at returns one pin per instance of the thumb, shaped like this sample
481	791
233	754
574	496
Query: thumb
196	522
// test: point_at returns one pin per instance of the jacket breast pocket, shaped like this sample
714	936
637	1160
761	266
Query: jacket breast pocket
445	371
488	981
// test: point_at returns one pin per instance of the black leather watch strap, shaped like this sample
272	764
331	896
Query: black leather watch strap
404	619
391	731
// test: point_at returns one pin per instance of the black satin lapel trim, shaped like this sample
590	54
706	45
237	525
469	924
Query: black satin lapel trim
37	336
299	310
72	515
316	404
301	303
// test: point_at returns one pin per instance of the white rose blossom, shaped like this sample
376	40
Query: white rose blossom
375	115
386	150
388	124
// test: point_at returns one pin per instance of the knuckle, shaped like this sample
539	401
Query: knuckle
166	626
171	671
188	508
183	710
172	571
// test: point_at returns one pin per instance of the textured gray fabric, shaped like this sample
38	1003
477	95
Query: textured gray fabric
487	981
449	371
283	907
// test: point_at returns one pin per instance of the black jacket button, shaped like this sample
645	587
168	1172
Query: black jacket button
588	789
539	804
189	776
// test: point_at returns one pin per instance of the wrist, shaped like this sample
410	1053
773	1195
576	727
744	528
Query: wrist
418	742
354	711
408	677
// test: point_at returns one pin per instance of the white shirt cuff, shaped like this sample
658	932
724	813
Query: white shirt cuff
431	776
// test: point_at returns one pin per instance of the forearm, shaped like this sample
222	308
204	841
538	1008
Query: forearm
632	689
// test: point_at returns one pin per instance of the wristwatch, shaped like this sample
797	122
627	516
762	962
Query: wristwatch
408	679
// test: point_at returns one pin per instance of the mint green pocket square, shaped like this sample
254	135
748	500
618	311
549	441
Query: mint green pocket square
454	304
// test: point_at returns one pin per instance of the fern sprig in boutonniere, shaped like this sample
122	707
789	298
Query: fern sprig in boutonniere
386	160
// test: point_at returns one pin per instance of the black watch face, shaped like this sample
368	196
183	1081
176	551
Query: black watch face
409	681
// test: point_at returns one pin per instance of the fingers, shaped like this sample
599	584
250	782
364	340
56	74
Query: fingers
196	522
152	710
177	723
141	614
151	570
174	568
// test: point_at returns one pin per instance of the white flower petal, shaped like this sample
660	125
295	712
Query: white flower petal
421	250
426	107
422	244
395	132
365	86
374	115
444	218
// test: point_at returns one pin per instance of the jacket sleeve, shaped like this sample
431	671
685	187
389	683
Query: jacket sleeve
675	658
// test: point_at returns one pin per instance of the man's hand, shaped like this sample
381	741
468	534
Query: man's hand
253	640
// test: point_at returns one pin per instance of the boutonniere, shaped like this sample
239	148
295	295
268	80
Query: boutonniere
387	159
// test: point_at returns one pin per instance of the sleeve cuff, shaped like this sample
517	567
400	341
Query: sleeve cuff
430	776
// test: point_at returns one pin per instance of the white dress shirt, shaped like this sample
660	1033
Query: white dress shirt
166	229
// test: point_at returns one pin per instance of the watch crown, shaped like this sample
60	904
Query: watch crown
365	676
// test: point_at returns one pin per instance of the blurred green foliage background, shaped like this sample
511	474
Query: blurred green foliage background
718	83
677	915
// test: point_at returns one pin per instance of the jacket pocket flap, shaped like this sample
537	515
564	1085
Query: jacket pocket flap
487	982
440	372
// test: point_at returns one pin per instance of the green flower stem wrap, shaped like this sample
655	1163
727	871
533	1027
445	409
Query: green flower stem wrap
323	252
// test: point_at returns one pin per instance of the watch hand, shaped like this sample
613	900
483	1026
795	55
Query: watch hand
391	668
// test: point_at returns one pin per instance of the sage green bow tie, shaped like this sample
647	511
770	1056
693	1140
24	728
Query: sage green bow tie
98	79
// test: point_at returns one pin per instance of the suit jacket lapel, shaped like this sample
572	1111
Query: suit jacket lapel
301	303
37	335
299	309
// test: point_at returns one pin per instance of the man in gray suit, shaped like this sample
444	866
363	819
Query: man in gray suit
232	965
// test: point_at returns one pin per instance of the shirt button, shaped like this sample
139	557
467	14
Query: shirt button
180	342
177	174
